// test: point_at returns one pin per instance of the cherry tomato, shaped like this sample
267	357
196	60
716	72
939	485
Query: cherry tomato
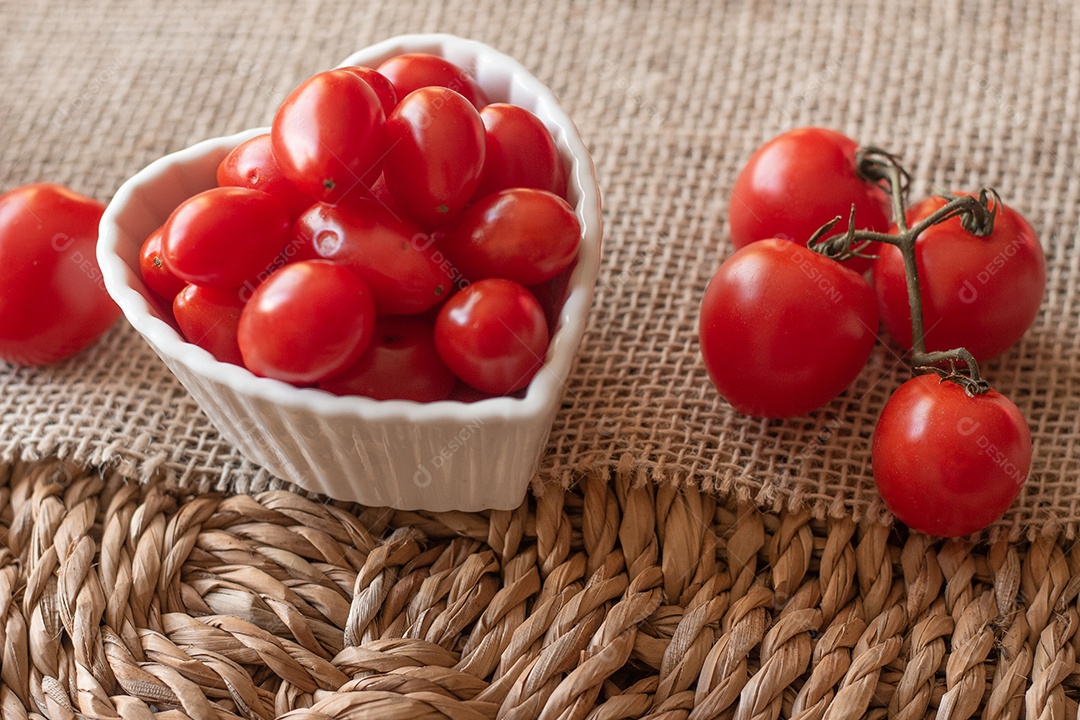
252	165
52	299
980	293
946	463
797	182
224	237
381	194
308	321
400	364
435	154
784	330
157	276
328	135
523	235
493	336
395	258
379	83
519	152
208	317
552	294
413	71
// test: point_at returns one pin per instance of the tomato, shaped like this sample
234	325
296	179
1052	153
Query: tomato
523	235
980	293
946	463
208	317
552	294
52	299
306	322
493	336
395	258
381	194
784	330
328	135
157	276
400	364
252	165
797	182
225	236
435	154
378	82
519	152
413	71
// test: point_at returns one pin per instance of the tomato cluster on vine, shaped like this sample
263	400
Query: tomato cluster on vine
789	320
394	235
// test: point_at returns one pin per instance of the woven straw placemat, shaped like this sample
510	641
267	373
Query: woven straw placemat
671	97
610	601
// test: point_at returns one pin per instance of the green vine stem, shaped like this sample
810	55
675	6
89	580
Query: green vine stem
976	216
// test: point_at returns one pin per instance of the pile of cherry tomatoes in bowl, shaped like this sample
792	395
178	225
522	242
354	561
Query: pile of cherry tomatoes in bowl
393	235
789	320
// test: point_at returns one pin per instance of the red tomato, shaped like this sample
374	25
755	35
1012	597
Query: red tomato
523	235
157	276
379	83
381	194
552	294
208	317
493	336
797	182
413	71
519	152
400	364
947	463
225	236
435	154
308	321
52	299
980	293
328	135
784	330
252	165
395	258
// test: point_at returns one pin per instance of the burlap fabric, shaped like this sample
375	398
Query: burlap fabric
671	98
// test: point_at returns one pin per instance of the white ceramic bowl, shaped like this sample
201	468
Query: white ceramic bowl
437	456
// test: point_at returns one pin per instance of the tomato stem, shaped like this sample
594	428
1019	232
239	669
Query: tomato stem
884	170
976	214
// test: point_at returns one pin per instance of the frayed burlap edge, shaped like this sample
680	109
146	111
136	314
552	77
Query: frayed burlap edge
766	495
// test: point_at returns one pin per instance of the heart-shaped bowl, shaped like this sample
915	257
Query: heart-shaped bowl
438	456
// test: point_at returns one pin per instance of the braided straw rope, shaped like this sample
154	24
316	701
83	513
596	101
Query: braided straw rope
611	600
